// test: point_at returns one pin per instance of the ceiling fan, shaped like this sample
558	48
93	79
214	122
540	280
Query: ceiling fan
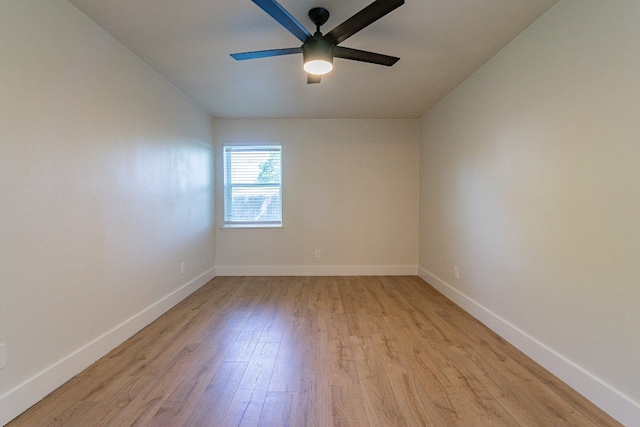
319	50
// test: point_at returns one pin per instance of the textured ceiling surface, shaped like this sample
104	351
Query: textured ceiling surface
440	43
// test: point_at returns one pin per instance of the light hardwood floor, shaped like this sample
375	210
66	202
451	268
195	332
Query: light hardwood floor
315	351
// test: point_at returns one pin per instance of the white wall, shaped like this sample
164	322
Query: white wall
105	183
530	183
350	189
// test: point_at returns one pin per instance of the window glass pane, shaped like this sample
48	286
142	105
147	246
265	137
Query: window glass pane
252	187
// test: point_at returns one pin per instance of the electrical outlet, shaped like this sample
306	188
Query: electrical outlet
317	253
3	356
456	272
182	267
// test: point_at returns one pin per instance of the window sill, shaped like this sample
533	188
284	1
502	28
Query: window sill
252	227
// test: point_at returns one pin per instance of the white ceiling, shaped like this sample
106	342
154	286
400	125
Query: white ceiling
440	43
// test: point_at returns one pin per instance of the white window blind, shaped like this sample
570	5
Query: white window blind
252	186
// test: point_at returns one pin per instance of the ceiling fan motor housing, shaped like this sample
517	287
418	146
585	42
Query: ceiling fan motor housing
317	48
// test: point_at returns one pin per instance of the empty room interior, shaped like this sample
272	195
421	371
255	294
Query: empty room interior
451	238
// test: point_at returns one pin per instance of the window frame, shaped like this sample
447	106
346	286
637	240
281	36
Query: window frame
228	185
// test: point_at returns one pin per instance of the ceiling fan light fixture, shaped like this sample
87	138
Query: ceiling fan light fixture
318	56
318	66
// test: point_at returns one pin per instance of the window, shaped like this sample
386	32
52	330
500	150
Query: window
252	186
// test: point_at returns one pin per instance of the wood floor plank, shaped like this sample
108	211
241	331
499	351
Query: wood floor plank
315	351
246	406
212	406
277	410
379	400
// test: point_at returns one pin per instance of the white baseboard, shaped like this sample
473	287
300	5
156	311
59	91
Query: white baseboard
19	399
325	270
616	404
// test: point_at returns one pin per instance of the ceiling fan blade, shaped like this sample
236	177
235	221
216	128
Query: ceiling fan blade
365	17
364	56
265	53
313	78
277	12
